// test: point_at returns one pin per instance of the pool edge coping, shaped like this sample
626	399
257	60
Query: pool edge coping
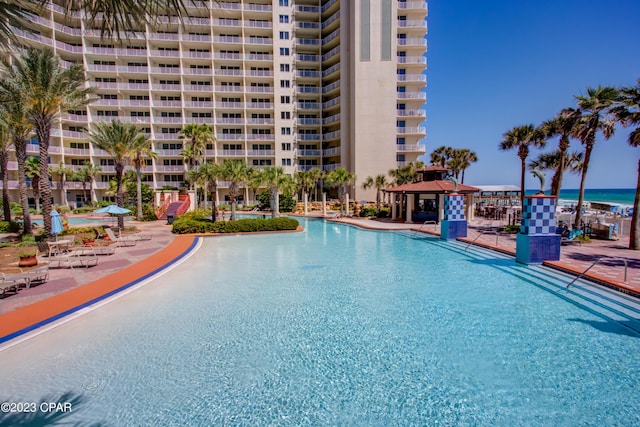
32	317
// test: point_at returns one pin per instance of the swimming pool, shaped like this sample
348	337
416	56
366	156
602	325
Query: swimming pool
83	221
342	326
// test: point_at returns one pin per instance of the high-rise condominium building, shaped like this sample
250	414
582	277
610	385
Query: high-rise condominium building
300	84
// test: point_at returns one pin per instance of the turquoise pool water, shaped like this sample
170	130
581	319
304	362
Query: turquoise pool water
341	326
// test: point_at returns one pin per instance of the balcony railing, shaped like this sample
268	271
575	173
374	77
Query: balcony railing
411	148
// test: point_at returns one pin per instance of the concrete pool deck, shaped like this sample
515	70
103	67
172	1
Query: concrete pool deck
68	288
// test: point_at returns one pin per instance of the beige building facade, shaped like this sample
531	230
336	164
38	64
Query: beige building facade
300	84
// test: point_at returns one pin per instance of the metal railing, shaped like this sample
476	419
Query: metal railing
419	229
482	233
626	266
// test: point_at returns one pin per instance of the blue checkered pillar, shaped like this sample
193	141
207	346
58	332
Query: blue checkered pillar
454	224
537	240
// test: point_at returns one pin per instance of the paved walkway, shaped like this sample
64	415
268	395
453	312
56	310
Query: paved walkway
64	279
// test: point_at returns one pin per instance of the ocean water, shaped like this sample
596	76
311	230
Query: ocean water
616	196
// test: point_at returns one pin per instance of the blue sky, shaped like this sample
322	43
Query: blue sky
494	65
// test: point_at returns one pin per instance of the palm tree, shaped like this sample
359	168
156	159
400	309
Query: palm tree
5	143
340	178
140	150
208	174
379	182
405	174
466	157
90	171
62	172
46	88
198	137
572	162
114	18
441	155
275	179
32	170
14	116
236	172
317	175
593	117
628	114
120	140
562	125
522	137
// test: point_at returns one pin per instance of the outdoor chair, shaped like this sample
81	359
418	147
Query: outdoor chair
573	237
7	285
120	241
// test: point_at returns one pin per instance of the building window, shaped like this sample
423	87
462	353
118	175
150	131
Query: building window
285	115
284	19
284	3
285	83
285	131
284	67
286	162
286	146
285	100
284	51
284	35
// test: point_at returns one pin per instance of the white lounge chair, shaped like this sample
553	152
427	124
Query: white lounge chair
120	241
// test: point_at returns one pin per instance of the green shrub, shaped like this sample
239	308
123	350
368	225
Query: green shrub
62	209
148	214
367	212
286	203
512	228
83	210
9	227
384	213
189	225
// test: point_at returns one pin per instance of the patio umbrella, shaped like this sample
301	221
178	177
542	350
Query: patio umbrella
113	209
56	223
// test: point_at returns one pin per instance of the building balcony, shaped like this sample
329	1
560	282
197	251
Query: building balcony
412	5
308	105
331	119
170	168
166	136
410	148
335	151
412	95
331	135
309	153
169	153
168	120
309	122
231	153
261	137
85	152
412	60
261	153
409	78
308	137
333	166
304	74
420	114
414	23
419	130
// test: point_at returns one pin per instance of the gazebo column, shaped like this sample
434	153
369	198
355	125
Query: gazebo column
410	198
537	240
454	224
392	201
324	204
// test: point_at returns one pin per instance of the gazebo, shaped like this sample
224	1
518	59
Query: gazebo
423	199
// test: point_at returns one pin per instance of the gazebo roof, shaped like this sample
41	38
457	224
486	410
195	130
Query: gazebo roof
432	187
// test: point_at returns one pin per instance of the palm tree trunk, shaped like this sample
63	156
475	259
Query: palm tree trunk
378	199
634	234
43	132
21	157
91	192
63	192
139	193
213	190
585	167
6	206
462	182
35	186
522	171
119	194
84	191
